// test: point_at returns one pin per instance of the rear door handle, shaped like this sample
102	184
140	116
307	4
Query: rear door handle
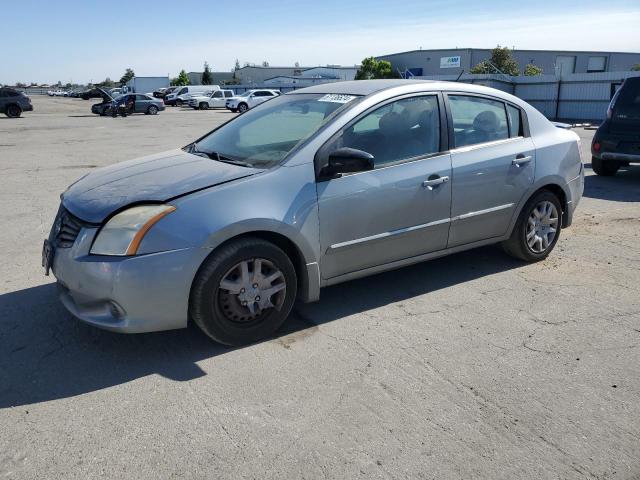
521	160
434	182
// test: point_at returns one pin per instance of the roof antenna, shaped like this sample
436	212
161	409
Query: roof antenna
460	75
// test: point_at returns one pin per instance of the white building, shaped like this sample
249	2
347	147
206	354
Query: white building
313	76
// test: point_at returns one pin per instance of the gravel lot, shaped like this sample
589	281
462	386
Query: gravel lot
471	366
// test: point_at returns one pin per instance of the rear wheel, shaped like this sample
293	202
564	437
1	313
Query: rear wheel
13	111
243	292
243	107
538	228
606	169
152	110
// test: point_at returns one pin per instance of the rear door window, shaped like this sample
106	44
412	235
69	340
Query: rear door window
477	120
627	105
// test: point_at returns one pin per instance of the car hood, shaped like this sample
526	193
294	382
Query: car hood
155	178
106	96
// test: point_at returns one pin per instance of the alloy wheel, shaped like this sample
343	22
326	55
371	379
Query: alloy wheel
542	226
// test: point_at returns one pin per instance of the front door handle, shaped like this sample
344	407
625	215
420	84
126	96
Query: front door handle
521	160
434	181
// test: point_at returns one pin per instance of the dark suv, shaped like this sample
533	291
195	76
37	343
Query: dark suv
13	102
617	141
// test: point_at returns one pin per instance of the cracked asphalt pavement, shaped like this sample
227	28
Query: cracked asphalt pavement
471	366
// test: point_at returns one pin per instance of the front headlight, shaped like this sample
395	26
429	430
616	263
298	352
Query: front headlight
123	233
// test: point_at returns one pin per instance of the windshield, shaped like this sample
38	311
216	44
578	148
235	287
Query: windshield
264	136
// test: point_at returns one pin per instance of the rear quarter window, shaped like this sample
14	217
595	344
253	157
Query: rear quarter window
628	102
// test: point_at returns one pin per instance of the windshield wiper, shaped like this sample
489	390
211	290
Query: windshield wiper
218	157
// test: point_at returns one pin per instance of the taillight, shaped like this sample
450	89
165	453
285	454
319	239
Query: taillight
596	146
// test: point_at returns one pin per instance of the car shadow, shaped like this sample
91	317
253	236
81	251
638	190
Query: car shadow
622	187
46	354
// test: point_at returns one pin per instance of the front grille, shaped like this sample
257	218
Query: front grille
66	229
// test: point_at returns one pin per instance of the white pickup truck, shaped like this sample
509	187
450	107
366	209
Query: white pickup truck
216	99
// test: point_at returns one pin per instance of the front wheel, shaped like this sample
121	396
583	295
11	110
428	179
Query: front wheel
243	292
13	111
204	106
178	103
538	228
605	169
243	107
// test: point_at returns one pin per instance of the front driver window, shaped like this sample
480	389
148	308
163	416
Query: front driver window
477	120
396	132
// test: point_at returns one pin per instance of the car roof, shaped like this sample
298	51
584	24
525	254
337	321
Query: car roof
371	87
360	87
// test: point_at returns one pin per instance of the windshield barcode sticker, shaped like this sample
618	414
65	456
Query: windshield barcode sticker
336	98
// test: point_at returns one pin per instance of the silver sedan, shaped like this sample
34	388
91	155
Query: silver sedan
313	188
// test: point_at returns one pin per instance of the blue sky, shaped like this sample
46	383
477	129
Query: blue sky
80	41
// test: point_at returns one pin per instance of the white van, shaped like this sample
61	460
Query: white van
179	95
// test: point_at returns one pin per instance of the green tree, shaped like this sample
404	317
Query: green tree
106	83
128	75
207	78
181	80
531	70
636	68
373	69
501	61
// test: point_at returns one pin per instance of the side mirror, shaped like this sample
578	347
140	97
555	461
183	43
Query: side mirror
348	160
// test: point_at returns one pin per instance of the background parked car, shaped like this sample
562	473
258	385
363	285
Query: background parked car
178	96
160	92
13	102
91	93
142	103
617	141
216	99
250	99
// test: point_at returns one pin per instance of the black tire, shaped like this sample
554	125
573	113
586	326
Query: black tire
178	103
13	111
605	169
206	302
243	107
204	106
234	110
517	245
152	110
